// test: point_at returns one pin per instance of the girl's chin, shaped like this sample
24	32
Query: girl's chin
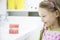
46	25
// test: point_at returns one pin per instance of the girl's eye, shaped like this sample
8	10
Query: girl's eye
43	16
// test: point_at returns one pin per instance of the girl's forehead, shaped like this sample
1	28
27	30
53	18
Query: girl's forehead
43	11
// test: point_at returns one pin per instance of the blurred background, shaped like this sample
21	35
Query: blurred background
21	12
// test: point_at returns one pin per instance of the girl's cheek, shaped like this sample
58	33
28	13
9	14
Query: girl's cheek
46	19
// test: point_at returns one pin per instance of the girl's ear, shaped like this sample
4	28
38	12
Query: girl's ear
57	13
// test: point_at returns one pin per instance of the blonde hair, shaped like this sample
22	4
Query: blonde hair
51	7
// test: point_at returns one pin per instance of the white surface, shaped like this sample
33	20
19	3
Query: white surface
28	27
2	5
3	15
33	4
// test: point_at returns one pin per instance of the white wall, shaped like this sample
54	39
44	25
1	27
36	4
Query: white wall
2	5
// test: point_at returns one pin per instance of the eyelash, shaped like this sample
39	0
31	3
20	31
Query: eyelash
43	16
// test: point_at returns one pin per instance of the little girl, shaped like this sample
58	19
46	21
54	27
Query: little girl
50	13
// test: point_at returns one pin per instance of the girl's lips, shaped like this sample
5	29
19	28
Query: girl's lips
45	23
44	26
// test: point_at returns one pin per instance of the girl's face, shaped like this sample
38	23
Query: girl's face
47	17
